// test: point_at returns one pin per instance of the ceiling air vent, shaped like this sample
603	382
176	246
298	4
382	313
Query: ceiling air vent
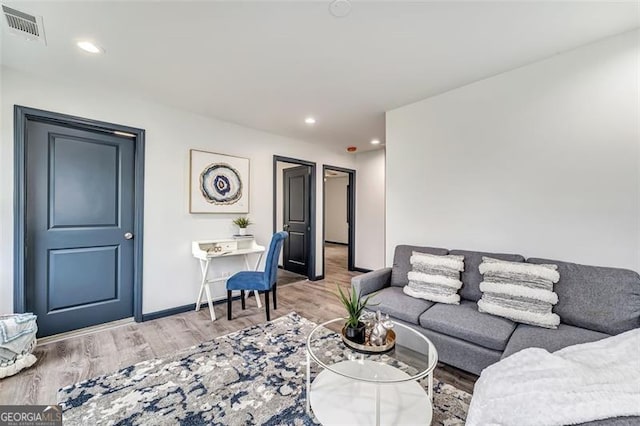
24	25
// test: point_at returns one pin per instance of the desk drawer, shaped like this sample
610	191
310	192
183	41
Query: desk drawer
216	248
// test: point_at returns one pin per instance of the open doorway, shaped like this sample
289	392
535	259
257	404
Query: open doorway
294	212
339	195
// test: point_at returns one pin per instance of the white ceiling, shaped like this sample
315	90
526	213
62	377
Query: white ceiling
267	65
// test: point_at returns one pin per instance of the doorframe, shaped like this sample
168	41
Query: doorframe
24	114
311	268
351	214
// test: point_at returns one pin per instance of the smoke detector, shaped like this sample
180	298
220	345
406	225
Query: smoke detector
22	24
340	8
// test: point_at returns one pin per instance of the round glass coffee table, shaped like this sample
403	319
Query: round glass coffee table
356	388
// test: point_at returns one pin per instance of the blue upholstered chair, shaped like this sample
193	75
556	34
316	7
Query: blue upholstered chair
259	281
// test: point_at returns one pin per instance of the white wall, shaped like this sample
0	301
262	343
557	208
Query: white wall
170	273
335	215
370	210
543	161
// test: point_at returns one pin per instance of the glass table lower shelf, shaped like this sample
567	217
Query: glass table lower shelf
369	389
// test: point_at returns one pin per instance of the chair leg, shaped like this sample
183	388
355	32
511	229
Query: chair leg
275	300
229	305
266	304
242	298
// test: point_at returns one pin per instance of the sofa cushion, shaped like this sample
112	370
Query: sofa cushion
597	298
465	322
453	351
528	336
393	301
471	277
402	264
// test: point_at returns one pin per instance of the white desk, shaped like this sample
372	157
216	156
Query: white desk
206	251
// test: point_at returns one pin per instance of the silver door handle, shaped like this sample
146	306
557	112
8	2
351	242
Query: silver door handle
128	236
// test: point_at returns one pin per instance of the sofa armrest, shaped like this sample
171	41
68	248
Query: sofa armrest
372	281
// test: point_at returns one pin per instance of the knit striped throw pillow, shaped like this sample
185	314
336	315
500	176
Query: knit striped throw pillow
435	278
522	292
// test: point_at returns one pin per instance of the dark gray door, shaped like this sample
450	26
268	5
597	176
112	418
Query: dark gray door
80	213
297	201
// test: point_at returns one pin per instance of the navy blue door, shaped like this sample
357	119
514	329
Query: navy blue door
80	216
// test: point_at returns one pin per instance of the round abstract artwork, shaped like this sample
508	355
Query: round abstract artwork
221	184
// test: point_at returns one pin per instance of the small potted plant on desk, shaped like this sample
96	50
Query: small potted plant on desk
354	304
242	223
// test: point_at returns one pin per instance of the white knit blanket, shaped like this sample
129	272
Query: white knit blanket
577	384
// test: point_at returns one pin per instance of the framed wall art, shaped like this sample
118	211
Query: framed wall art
218	183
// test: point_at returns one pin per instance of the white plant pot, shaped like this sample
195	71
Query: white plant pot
242	231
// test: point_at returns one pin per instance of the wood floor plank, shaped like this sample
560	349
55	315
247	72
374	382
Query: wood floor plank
78	358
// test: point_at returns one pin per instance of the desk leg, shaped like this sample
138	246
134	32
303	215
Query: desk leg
204	268
210	301
246	264
255	268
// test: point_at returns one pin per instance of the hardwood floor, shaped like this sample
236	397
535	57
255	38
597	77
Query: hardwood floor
287	277
79	358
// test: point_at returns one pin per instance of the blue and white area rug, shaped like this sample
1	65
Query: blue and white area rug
255	376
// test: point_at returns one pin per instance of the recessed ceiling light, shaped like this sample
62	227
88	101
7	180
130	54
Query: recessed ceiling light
87	46
375	141
310	120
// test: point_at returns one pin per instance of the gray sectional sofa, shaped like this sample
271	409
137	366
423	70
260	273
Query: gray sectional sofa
594	303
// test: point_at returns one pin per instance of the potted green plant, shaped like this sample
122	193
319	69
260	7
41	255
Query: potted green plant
242	223
354	304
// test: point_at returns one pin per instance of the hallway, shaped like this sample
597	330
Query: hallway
335	268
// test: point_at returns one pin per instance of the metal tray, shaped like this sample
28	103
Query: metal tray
368	348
